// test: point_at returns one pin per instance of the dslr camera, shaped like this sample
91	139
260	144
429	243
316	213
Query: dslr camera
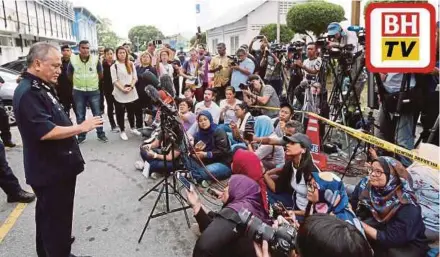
234	60
282	240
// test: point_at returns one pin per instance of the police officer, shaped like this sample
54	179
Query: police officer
9	183
52	158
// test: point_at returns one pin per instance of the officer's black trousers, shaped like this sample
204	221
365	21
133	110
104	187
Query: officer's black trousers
5	129
8	181
53	217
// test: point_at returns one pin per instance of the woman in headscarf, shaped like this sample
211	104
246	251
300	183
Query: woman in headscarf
212	147
393	222
247	163
270	155
326	194
219	237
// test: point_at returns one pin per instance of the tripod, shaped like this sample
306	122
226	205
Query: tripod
337	94
166	184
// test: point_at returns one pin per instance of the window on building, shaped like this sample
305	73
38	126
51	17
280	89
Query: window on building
18	42
5	41
214	45
234	44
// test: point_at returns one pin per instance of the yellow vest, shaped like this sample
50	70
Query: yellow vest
85	75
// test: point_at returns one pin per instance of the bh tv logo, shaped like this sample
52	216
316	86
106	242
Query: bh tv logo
400	37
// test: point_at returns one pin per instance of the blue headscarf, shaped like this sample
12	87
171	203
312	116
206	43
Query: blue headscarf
263	126
334	199
206	135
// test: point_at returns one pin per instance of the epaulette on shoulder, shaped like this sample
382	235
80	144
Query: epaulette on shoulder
35	85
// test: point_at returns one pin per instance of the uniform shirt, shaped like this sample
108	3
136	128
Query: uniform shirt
38	111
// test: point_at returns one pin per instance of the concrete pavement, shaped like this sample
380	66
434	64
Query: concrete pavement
108	218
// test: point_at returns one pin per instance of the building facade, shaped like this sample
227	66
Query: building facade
23	23
176	41
242	25
84	28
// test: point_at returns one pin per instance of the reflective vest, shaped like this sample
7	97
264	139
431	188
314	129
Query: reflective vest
85	75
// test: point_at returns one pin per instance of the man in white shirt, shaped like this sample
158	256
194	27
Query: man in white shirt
342	36
209	105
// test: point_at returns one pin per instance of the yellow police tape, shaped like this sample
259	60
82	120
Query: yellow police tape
371	139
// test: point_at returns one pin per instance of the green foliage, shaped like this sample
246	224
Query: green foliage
143	34
106	36
391	1
270	31
313	16
202	41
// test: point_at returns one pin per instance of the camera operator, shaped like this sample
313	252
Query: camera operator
219	237
257	93
294	53
340	36
324	235
272	63
258	54
241	71
220	66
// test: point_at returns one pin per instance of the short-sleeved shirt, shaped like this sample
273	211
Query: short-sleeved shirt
238	77
221	77
274	101
393	82
273	70
38	111
314	64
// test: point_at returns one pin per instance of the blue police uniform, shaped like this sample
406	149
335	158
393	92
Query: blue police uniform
51	166
8	181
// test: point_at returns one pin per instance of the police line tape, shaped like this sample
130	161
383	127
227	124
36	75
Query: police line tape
371	139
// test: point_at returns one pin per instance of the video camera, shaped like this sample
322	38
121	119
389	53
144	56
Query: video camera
234	60
157	42
282	240
295	48
277	48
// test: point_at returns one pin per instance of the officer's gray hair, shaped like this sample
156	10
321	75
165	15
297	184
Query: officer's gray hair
39	51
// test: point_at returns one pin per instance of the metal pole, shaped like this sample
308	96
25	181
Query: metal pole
278	21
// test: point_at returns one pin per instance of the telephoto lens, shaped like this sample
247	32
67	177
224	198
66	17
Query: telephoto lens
281	240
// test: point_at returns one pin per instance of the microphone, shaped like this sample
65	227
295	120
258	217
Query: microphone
148	78
152	93
355	28
166	84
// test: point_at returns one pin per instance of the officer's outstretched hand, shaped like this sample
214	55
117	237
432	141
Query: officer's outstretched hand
92	123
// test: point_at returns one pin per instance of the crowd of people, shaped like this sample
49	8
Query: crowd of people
235	124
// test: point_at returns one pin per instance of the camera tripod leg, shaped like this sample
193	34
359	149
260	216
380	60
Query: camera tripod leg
434	131
351	159
182	201
152	189
152	211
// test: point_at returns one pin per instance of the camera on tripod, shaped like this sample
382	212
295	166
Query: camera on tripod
281	240
234	60
278	49
342	53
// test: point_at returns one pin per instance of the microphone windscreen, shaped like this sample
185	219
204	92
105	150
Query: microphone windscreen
152	92
148	78
166	83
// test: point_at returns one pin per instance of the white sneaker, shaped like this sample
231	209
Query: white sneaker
135	132
123	136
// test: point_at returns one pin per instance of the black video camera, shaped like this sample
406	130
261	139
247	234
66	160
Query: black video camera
281	240
157	42
277	48
234	60
296	46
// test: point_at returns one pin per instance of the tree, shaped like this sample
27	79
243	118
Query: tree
202	41
314	16
270	31
106	36
143	34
